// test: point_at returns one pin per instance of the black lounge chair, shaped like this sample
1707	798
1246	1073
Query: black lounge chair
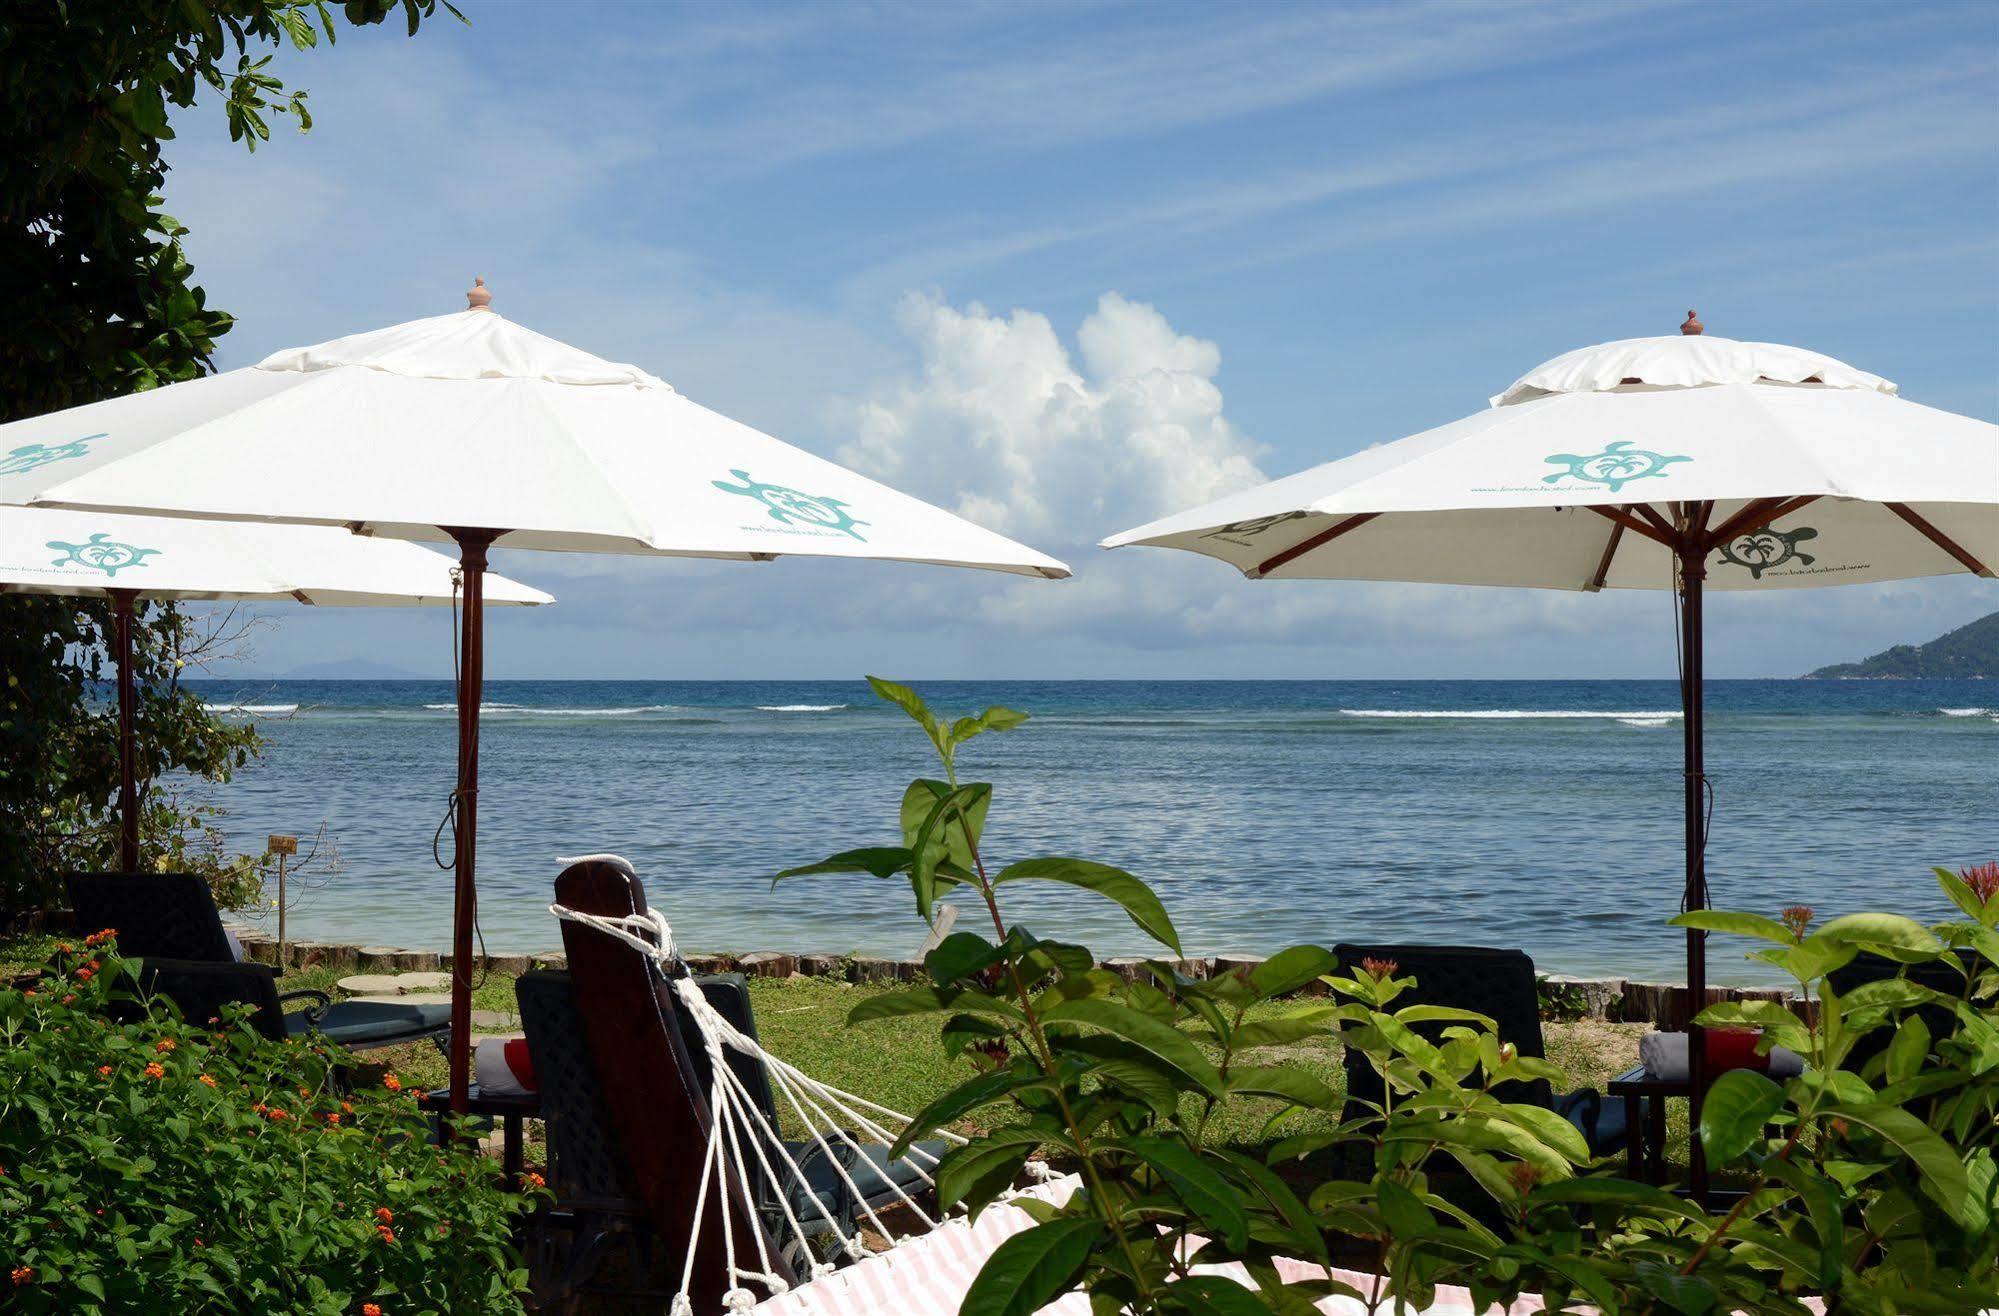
1499	984
171	919
623	1078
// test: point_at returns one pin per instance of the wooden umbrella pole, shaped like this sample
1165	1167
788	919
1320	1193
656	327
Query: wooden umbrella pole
128	755
1693	573
472	546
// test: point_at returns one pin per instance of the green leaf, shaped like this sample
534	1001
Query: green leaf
1624	1193
973	1093
985	1167
1889	934
931	1000
1739	1104
1198	1186
1163	1040
1742	925
961	955
1290	969
1133	895
1212	1295
1402	1211
882	861
1284	1082
1690	1294
1943	1173
1031	1269
911	703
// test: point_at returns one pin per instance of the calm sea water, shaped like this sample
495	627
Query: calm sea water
1538	814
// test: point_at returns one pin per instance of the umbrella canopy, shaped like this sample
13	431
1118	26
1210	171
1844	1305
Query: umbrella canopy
1680	463
87	554
1518	494
472	429
45	550
471	420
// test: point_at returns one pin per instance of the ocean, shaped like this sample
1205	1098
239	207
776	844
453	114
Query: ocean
1538	814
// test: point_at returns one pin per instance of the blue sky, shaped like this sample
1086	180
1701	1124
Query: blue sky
1135	248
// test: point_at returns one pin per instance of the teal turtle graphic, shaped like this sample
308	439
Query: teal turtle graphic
1617	465
102	553
789	505
1768	549
29	456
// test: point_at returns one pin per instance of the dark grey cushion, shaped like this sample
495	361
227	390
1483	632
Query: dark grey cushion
367	1024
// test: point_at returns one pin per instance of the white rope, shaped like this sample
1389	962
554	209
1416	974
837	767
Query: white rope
737	1117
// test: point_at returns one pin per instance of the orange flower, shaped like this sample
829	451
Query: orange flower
104	1070
534	1180
29	992
370	1309
21	1274
388	1234
385	1215
83	975
164	1045
208	1080
64	947
155	1070
279	1113
1379	969
346	1108
67	997
1983	879
1797	918
333	1117
392	1083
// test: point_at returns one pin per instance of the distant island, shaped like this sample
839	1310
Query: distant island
1968	651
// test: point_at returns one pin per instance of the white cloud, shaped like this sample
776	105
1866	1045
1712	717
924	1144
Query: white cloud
1003	425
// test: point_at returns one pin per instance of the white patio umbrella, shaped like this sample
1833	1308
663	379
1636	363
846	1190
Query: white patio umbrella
468	428
126	558
1686	463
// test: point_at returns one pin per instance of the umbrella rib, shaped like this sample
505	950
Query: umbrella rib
1326	536
1603	564
1623	517
1940	539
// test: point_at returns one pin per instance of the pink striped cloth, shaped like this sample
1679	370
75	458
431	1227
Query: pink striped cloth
930	1275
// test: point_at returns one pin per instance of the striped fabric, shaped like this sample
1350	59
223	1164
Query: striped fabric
929	1275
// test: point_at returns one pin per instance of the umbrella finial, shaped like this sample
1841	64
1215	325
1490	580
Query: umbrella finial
1691	325
478	299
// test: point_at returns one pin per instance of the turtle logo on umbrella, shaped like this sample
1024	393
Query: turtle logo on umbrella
787	506
1253	526
29	456
1617	465
1767	550
102	553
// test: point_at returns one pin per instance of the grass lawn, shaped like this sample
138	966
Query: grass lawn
898	1062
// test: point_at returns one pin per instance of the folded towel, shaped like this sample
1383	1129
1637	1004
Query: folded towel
1664	1055
501	1067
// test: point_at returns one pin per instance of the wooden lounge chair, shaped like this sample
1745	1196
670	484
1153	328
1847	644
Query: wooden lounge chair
622	1093
1499	984
170	919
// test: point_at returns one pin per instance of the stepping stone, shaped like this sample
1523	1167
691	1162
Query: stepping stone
394	984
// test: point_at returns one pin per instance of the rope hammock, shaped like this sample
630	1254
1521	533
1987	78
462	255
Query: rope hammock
921	1274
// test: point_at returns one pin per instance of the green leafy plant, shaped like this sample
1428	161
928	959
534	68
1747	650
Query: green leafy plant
150	1162
1121	1080
1871	1176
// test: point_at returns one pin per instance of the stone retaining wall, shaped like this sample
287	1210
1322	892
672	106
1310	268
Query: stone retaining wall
1619	1000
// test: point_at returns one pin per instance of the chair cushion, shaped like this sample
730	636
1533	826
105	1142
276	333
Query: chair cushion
871	1170
1600	1119
372	1023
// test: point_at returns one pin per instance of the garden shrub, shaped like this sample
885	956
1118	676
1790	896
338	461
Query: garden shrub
1872	1184
150	1162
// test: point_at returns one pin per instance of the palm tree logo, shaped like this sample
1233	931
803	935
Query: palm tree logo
789	505
1767	550
29	456
101	553
1616	466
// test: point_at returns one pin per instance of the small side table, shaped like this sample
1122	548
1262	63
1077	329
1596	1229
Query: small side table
510	1109
1646	1120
